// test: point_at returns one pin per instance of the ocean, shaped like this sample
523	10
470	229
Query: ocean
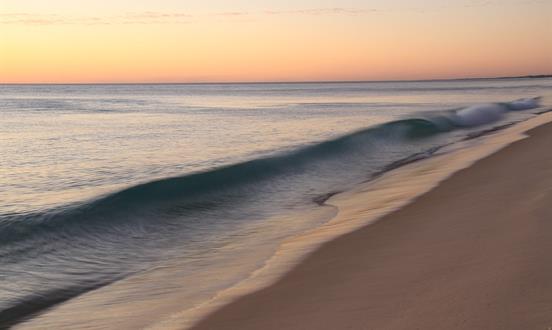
124	205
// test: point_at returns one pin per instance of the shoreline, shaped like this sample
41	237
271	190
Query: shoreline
229	308
295	249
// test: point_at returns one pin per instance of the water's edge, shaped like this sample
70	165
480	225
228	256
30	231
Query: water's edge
389	190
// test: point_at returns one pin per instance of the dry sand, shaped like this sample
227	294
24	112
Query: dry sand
473	253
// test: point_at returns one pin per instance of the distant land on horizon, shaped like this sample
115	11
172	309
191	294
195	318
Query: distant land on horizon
537	76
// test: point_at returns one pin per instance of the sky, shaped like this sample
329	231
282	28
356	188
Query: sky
117	41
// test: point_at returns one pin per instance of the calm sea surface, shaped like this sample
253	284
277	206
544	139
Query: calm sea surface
168	194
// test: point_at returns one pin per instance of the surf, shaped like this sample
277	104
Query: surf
124	232
187	191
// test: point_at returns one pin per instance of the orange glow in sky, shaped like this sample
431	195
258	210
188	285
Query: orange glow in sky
181	41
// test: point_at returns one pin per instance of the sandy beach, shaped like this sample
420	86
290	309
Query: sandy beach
473	253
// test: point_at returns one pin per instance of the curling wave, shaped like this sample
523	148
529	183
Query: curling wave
187	190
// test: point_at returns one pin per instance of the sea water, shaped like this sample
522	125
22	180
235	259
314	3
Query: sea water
123	204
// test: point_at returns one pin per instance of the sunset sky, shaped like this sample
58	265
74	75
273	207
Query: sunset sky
261	40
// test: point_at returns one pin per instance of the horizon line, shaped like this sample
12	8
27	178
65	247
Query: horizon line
530	76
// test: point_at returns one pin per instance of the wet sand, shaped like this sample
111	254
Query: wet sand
473	253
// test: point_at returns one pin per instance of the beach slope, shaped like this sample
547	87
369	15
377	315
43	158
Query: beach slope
473	253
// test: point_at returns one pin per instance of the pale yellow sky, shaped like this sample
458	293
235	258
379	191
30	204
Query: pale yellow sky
191	41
